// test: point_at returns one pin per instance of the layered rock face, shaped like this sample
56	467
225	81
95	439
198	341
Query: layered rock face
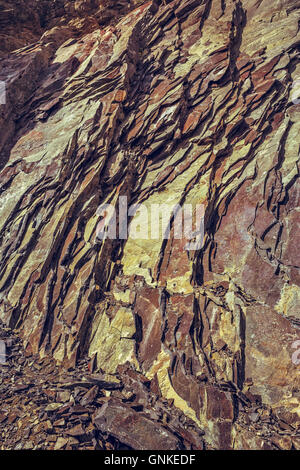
175	102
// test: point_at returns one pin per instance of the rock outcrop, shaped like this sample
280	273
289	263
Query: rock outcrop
175	102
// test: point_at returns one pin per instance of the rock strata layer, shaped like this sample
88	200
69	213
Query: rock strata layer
164	102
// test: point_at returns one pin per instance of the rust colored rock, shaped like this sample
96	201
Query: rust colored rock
166	103
134	429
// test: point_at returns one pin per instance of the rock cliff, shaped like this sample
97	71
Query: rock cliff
175	102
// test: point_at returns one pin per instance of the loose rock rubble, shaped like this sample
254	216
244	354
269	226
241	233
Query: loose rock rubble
178	102
47	407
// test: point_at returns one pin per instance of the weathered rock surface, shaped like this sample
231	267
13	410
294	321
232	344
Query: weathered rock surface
47	407
163	102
